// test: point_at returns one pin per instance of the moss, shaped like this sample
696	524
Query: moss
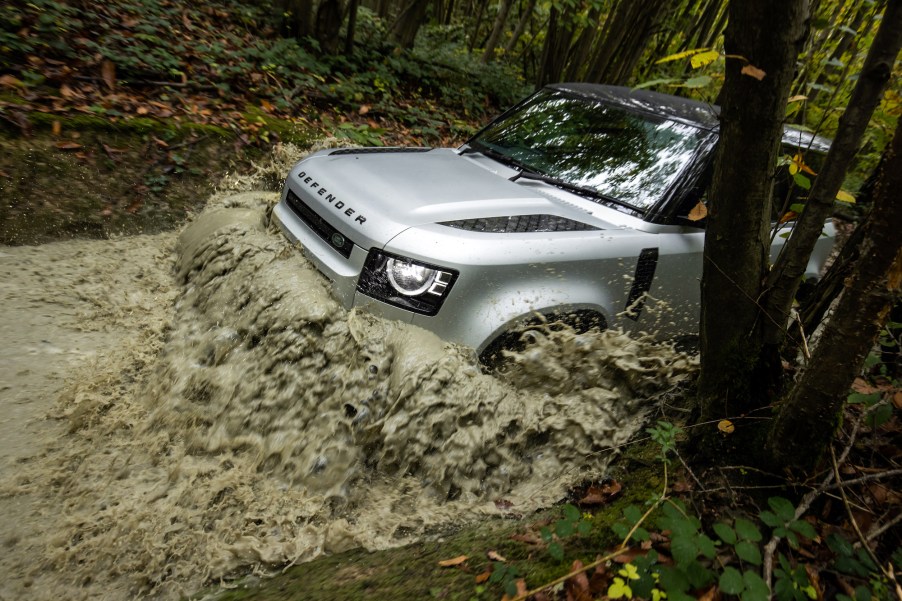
132	125
287	131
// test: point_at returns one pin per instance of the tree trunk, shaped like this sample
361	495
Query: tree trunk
525	18
557	45
328	23
626	34
577	64
405	29
477	25
769	35
500	22
352	26
784	278
807	419
296	17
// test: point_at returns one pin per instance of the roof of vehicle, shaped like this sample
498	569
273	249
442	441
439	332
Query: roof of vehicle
701	114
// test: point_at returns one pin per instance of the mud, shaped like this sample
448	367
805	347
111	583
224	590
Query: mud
236	419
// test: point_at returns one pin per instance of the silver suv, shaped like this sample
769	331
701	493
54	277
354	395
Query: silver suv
575	204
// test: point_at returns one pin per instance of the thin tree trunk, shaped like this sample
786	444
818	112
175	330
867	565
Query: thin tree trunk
626	34
352	26
769	35
784	278
500	21
404	30
809	416
577	64
477	25
525	18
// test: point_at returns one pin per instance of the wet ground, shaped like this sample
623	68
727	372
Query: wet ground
183	408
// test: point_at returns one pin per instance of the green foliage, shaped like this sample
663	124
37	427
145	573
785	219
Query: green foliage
571	523
665	434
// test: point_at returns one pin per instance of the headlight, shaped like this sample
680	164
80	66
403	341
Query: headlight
405	283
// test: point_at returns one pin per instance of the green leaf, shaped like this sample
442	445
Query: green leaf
748	552
556	551
783	508
571	513
641	535
632	514
804	528
801	181
547	535
684	550
755	587
865	399
679	55
770	519
704	58
584	528
797	207
792	539
747	530
699	575
880	416
725	533
731	581
673	579
697	82
705	546
656	82
862	593
563	528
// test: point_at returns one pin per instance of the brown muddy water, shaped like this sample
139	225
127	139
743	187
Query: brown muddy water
186	408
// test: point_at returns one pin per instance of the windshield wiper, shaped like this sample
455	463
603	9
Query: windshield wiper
581	190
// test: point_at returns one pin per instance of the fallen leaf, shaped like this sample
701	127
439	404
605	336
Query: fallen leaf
897	399
108	72
682	486
57	128
577	586
698	212
709	595
454	561
753	71
68	145
265	104
5	174
8	81
495	556
726	426
598	495
160	142
142	110
364	109
527	539
814	579
135	206
862	386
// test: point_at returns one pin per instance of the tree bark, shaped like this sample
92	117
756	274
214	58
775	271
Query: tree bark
525	18
500	22
557	46
352	26
768	34
783	280
809	416
626	34
296	17
404	30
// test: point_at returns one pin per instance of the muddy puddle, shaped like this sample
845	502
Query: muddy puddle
230	417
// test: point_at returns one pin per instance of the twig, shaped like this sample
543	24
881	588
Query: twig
866	478
879	529
861	537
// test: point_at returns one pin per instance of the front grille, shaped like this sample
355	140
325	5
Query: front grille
520	224
323	228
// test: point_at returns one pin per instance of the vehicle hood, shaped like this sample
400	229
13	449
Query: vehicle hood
396	190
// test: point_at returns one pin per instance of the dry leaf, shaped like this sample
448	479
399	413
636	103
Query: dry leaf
726	426
788	216
698	212
68	145
709	595
526	539
598	495
897	399
454	561
57	128
142	110
798	98
753	71
577	586
364	109
265	104
495	556
160	142
108	72
8	81
480	578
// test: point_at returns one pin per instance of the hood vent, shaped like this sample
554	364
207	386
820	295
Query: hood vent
380	150
517	224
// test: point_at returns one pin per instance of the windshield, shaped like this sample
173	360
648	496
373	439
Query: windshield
631	157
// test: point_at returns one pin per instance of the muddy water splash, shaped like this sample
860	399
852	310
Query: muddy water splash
276	426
